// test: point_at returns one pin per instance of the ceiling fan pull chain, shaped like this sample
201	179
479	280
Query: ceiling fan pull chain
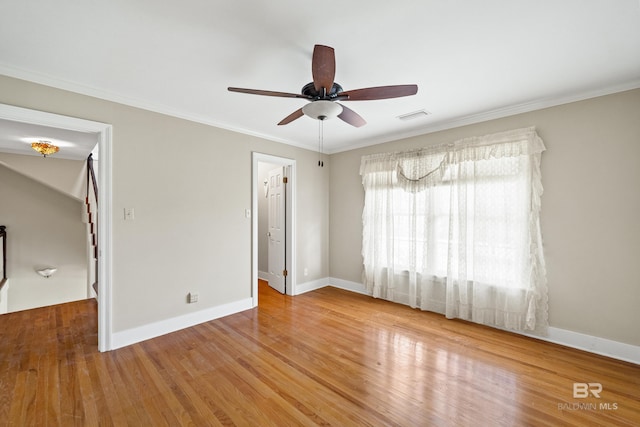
320	142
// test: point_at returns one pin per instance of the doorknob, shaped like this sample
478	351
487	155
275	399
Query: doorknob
268	234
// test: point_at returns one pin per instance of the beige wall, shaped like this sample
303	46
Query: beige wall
44	229
590	215
66	176
190	185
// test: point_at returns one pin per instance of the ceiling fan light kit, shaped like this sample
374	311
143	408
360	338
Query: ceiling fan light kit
322	110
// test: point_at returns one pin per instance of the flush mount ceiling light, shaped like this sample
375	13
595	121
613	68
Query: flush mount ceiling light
45	148
47	272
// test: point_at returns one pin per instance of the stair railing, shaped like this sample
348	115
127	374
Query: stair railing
3	236
91	176
93	219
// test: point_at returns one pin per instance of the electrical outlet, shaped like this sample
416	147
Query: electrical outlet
192	297
306	271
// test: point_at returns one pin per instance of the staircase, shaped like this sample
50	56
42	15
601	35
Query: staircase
91	201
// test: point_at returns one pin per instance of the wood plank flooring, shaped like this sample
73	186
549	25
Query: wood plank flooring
328	357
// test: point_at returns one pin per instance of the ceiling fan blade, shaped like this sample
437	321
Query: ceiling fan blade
291	117
323	68
268	93
380	92
351	117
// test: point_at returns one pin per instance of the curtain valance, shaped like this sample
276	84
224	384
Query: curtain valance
415	170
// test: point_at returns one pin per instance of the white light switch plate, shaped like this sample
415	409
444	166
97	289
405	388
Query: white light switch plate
129	214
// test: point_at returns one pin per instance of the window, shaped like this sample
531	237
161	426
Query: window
455	229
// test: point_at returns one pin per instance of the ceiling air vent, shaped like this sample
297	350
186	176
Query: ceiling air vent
414	115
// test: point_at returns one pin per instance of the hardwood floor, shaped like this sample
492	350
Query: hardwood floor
328	357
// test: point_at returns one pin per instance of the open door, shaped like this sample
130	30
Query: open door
277	229
261	165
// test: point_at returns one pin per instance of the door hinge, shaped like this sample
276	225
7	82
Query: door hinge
285	273
285	179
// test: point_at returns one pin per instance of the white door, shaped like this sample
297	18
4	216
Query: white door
276	233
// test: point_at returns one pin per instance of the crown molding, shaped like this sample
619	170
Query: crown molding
525	107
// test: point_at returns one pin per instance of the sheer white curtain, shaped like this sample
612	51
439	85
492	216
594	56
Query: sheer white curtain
455	229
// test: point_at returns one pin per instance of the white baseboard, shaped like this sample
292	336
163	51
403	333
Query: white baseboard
156	329
4	298
347	285
312	285
263	275
602	346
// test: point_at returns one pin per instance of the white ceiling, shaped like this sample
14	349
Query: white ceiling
16	138
472	60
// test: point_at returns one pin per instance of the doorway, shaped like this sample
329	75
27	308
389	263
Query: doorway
262	243
104	131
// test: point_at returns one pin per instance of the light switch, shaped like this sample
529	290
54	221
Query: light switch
129	214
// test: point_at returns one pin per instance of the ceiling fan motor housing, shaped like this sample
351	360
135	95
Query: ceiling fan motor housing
310	91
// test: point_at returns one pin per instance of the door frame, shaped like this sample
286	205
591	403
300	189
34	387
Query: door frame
104	131
290	250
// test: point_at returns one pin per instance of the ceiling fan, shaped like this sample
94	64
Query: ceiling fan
323	92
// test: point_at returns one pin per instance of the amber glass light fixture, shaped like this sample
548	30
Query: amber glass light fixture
44	147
